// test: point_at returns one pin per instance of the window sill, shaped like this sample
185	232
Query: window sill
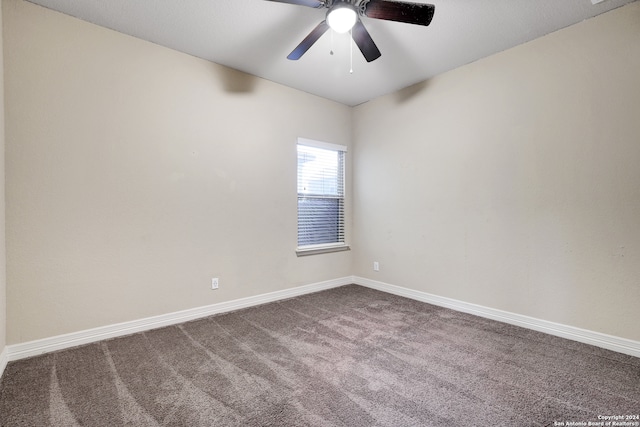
315	250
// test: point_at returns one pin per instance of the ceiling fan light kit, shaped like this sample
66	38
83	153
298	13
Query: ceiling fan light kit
342	16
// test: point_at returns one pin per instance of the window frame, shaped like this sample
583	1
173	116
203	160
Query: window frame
324	247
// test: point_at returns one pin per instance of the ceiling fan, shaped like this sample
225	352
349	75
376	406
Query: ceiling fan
344	15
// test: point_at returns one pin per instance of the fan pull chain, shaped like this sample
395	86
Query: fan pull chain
331	50
351	50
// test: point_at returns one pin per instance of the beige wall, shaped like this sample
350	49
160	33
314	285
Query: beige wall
3	254
136	173
513	182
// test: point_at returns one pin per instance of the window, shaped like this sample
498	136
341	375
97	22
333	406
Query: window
320	197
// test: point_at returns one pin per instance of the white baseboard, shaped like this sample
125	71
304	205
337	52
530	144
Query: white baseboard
610	342
4	359
47	345
60	342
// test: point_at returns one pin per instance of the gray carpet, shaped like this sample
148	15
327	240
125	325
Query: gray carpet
349	356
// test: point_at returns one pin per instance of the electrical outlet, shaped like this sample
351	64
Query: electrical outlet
214	283
376	266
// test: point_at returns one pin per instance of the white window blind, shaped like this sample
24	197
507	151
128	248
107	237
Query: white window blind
320	194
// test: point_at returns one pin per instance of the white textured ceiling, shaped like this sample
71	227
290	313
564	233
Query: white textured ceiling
255	36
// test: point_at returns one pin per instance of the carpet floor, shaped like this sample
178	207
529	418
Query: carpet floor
349	356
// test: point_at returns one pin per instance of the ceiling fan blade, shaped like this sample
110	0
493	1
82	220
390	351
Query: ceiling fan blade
410	13
310	3
308	41
364	42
